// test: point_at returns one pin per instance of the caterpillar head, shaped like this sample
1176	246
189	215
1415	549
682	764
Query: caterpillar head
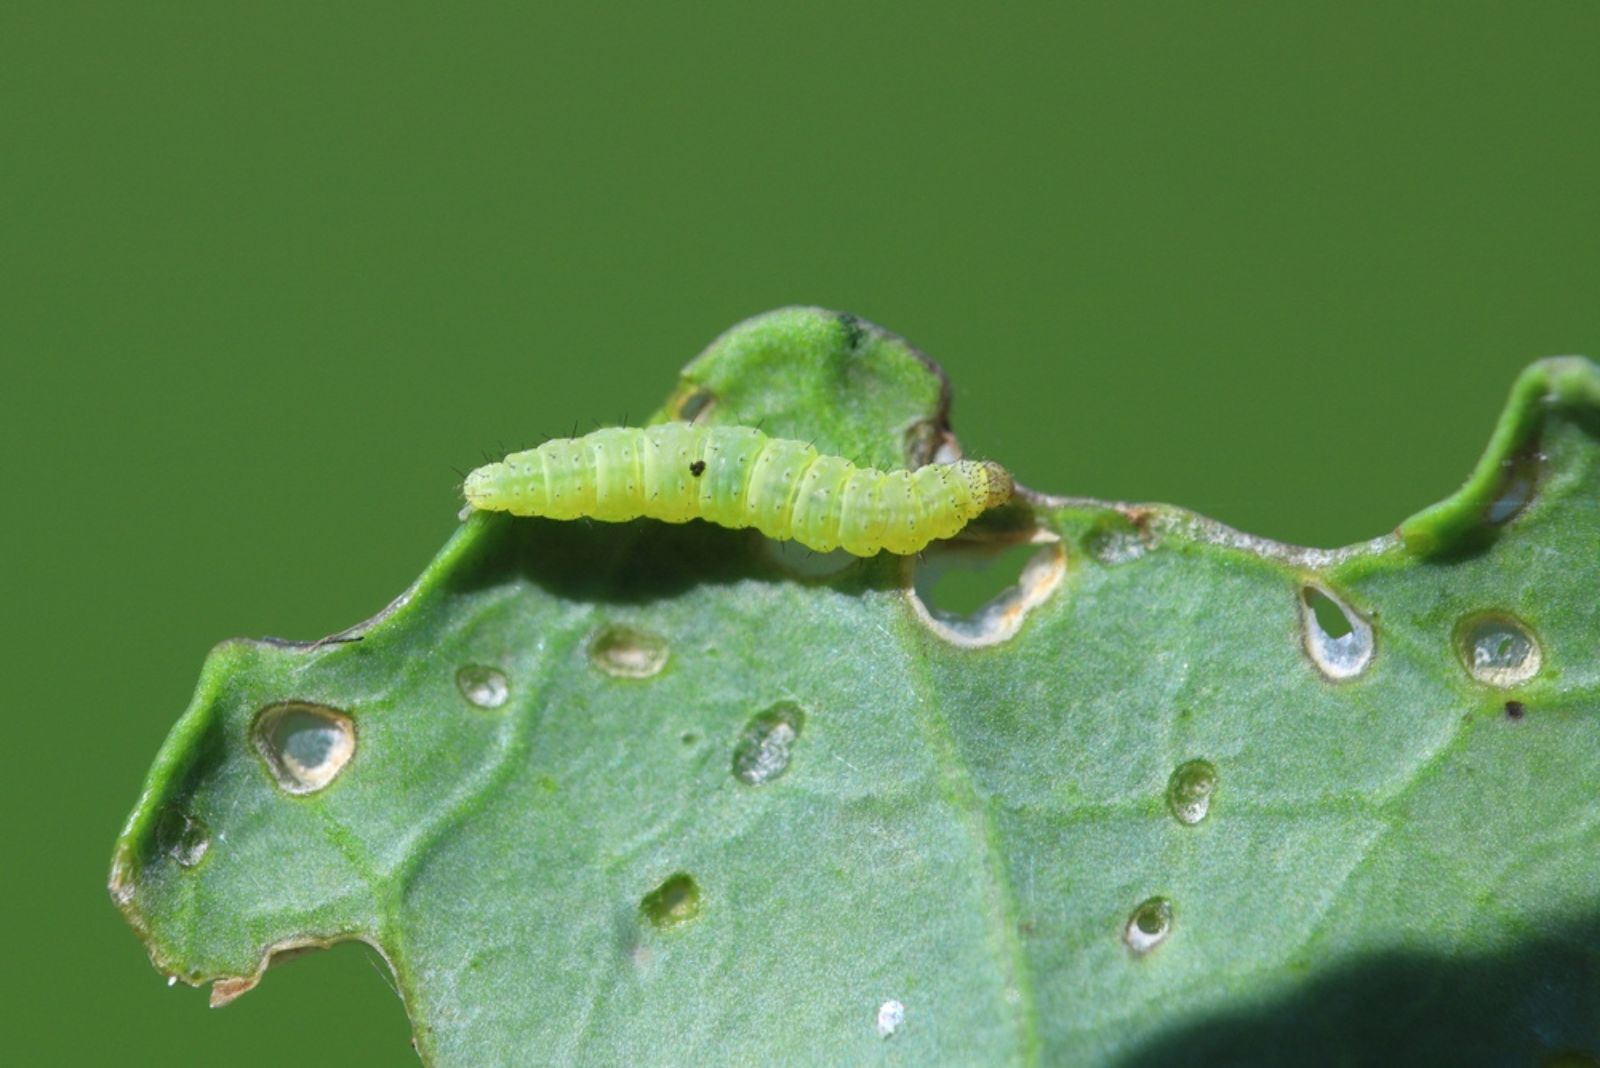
997	484
485	487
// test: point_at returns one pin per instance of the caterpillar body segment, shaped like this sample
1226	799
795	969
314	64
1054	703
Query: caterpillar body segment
739	477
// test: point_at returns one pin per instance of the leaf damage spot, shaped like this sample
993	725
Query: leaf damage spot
182	836
484	687
1338	641
305	746
1122	538
766	744
1001	616
891	1015
230	988
627	653
676	901
1189	791
1498	649
225	990
1113	547
123	870
1149	926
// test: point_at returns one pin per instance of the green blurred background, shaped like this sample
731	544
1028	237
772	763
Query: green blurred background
268	278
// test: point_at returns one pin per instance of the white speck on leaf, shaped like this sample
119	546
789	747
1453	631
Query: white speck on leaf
891	1014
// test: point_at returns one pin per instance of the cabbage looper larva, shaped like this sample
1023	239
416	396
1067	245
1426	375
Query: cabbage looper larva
739	477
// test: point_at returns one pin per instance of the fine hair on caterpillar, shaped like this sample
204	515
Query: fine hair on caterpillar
739	477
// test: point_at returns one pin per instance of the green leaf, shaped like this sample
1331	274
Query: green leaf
650	793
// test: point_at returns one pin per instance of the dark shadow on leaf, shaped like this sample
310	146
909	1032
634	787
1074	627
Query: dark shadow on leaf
1530	1005
636	562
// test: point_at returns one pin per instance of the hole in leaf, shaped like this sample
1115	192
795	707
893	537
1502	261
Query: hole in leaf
305	746
1329	615
1149	926
962	583
976	596
1338	641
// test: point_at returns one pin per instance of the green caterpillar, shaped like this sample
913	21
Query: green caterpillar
738	477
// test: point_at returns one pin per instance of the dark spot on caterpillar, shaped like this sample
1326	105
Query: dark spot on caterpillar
1515	709
697	468
853	330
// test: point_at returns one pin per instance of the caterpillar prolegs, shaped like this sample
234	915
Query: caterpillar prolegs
739	477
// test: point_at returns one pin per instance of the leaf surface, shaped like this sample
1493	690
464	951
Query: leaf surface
648	793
